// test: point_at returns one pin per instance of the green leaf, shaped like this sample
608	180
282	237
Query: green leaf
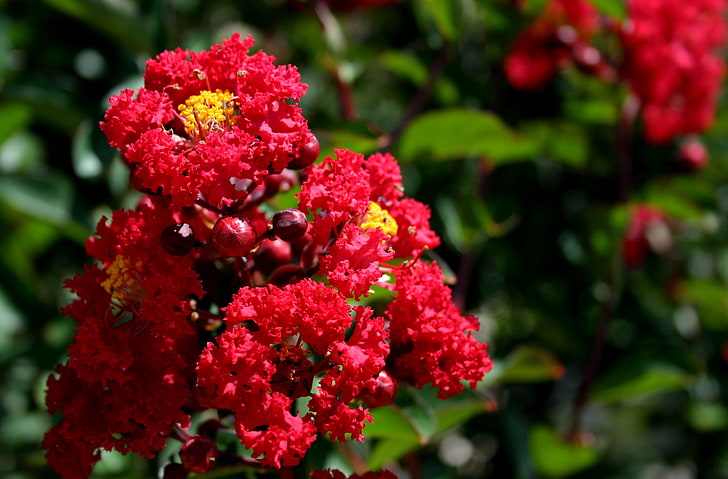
13	118
527	363
48	198
443	14
457	133
562	142
710	299
612	8
392	422
111	18
554	456
390	450
629	381
356	141
456	411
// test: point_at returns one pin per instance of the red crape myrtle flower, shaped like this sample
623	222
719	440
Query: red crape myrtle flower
257	373
672	63
205	122
206	297
128	374
647	231
560	35
431	340
361	218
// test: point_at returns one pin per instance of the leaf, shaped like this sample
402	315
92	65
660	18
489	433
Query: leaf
527	363
110	18
457	133
631	381
442	14
391	422
454	412
710	299
563	142
611	8
390	450
554	456
13	118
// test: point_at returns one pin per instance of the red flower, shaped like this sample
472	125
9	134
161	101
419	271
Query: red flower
241	105
127	378
430	339
647	231
559	36
359	213
258	373
672	63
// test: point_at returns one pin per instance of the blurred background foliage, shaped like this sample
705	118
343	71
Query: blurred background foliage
602	371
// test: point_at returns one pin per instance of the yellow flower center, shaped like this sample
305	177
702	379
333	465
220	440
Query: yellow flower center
207	111
380	218
122	280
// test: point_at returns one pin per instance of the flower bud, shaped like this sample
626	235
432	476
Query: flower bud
290	224
233	236
307	154
693	155
286	274
174	471
272	254
382	392
178	239
199	454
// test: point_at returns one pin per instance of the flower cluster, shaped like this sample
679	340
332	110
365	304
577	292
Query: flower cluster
669	57
208	296
672	63
558	37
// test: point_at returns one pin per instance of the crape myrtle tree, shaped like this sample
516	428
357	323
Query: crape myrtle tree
365	239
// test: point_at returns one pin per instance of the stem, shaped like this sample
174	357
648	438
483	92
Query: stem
630	108
418	102
592	368
336	44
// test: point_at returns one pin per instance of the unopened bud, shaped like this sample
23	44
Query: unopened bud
307	154
199	454
272	254
233	236
174	470
693	154
290	224
382	392
178	239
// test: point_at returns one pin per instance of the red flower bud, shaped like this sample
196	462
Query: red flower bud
290	224
271	254
382	393
233	236
178	239
199	454
175	471
693	155
307	155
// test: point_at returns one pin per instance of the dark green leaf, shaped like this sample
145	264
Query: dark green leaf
527	363
389	450
554	456
457	133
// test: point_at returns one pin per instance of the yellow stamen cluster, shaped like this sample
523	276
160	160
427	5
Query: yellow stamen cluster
207	111
377	217
122	280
